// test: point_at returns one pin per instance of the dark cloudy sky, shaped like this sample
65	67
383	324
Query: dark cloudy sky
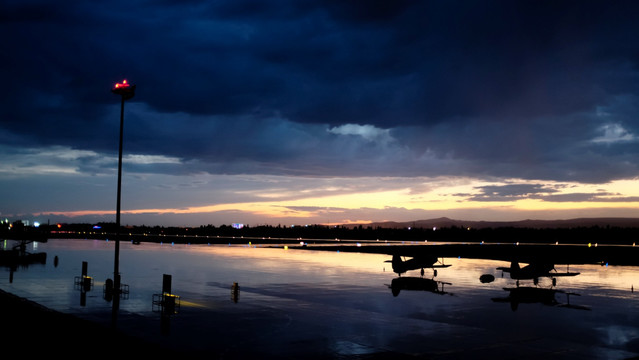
319	111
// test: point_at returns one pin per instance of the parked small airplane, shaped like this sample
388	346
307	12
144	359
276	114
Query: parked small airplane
401	266
534	271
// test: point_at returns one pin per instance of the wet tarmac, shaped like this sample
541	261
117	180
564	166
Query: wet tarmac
336	305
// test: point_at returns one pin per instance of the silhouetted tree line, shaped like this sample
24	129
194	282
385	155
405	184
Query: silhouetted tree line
593	234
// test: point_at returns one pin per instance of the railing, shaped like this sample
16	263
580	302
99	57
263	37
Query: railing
166	303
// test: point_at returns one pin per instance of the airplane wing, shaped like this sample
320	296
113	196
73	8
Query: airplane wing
562	274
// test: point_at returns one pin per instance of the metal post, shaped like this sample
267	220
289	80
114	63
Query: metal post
116	262
166	284
126	91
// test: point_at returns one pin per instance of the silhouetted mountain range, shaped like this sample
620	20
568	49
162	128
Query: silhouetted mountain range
445	222
581	230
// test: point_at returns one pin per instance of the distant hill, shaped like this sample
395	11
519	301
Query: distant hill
445	222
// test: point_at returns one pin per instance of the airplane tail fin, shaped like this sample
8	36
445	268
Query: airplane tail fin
514	266
397	263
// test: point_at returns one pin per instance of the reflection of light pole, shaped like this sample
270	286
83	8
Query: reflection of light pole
126	91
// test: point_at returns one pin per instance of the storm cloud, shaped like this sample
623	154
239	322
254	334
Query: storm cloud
530	90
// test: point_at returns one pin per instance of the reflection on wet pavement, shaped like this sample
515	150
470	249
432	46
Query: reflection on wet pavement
238	301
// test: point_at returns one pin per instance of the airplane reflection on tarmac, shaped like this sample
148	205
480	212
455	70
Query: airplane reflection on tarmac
527	294
541	260
418	284
516	295
546	296
401	266
534	271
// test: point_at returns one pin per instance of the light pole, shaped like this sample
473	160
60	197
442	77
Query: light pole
126	92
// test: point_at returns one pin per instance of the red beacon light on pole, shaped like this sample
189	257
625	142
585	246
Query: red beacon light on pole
126	90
